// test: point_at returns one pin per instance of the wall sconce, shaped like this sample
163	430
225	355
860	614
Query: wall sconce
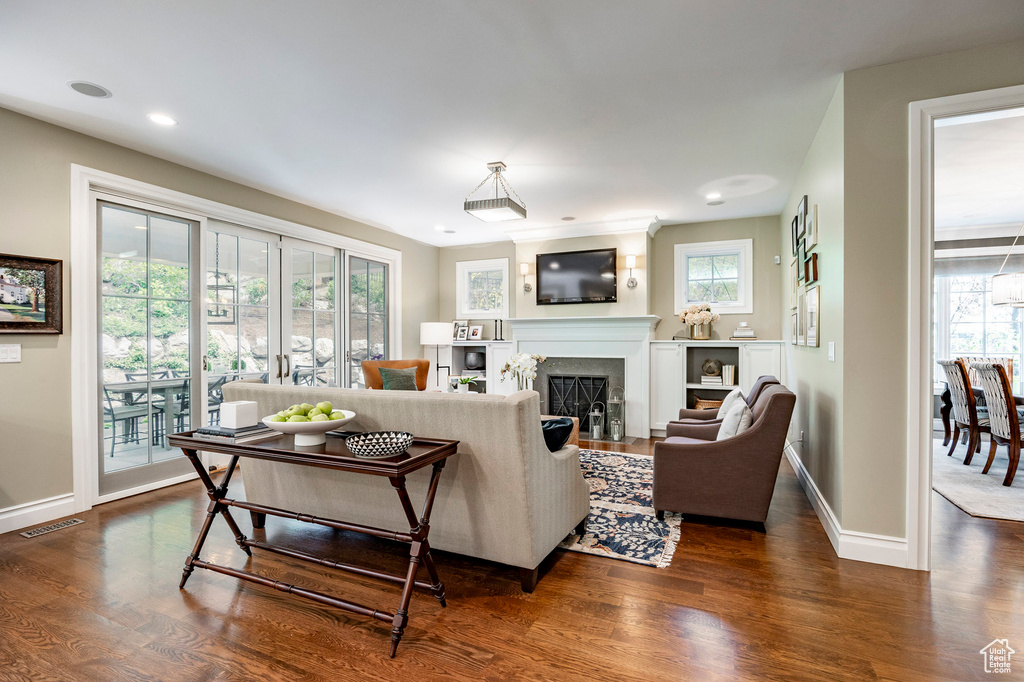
631	263
524	270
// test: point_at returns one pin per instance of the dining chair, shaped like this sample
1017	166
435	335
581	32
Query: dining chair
970	361
966	414
127	414
1004	419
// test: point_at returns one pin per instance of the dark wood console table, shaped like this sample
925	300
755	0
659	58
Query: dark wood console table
331	455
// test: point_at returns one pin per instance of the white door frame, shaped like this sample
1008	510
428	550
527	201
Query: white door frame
84	296
920	277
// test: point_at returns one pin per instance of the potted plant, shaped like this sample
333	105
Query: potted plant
464	383
699	318
523	368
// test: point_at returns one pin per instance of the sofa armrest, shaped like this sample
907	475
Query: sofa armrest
703	430
568	451
710	413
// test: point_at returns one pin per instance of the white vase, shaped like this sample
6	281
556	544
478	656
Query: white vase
463	388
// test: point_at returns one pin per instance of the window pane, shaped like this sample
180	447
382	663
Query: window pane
324	348
253	342
967	307
1002	338
302	338
169	249
377	287
700	291
169	344
377	337
124	338
966	338
324	282
222	342
302	279
726	266
124	251
221	267
357	284
698	267
726	290
967	283
253	270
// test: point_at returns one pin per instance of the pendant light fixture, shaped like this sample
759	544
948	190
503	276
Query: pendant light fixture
498	208
1008	289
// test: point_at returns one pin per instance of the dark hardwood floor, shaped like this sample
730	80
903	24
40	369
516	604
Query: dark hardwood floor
100	601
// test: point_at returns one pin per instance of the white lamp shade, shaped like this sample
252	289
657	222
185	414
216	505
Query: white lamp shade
435	333
524	268
630	262
1008	289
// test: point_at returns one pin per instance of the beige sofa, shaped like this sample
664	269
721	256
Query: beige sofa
504	497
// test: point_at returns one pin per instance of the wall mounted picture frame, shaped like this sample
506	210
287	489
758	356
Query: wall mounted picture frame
456	325
801	256
801	216
476	332
813	305
794	231
811	228
811	269
794	319
793	283
462	334
30	295
801	315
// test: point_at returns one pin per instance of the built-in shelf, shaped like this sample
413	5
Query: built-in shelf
710	387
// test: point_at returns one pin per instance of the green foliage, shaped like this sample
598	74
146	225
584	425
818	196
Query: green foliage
256	291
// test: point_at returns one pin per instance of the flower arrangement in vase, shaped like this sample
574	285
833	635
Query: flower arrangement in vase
699	318
522	367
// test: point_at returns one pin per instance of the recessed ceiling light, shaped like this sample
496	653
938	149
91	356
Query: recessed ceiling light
162	119
449	231
716	203
90	89
569	218
445	230
713	195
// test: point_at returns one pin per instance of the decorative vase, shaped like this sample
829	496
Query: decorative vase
463	388
475	360
700	332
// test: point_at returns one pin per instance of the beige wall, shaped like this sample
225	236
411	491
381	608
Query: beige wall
875	251
764	232
818	383
35	452
449	256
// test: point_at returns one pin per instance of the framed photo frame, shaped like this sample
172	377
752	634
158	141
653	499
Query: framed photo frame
794	319
812	304
795	228
801	315
456	324
462	334
811	269
793	283
30	295
801	216
476	332
801	270
811	228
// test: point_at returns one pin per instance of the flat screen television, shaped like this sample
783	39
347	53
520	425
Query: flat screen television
576	277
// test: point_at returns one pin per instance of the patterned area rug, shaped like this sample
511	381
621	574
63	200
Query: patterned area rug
976	493
622	524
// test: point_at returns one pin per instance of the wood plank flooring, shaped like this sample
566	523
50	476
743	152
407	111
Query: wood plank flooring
100	601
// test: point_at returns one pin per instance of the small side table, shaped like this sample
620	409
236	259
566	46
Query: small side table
331	455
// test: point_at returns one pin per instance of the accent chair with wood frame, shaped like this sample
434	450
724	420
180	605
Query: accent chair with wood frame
1004	420
732	478
967	416
372	378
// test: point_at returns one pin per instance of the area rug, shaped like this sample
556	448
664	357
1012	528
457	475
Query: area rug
976	493
622	524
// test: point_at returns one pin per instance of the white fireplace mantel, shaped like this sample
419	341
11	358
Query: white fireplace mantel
628	338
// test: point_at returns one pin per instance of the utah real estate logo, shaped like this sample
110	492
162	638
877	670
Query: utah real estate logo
997	656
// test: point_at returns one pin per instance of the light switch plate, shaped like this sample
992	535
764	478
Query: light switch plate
10	352
831	351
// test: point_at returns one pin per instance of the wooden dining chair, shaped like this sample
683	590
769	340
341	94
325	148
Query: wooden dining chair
1004	420
965	409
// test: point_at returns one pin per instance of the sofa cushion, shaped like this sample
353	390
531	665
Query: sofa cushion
398	379
730	400
683	440
556	432
737	420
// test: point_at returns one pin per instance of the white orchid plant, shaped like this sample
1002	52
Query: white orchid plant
698	313
522	367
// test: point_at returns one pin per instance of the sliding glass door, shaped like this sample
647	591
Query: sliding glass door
367	315
310	319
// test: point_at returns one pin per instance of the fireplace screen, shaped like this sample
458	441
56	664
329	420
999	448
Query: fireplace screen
575	396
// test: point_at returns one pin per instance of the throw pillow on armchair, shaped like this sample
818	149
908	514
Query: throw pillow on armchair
398	379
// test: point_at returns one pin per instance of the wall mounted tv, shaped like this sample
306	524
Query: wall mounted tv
576	277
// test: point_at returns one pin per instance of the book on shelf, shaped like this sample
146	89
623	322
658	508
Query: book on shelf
711	381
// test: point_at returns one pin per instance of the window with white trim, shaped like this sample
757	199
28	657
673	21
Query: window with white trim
717	273
482	289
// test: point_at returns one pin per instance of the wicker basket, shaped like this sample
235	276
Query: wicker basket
703	404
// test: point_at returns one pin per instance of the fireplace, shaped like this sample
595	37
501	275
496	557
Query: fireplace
571	395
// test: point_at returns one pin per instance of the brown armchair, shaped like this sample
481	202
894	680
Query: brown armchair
711	415
732	478
371	371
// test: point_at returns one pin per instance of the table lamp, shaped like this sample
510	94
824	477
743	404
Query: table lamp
436	334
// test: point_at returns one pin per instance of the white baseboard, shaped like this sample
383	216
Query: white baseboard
848	544
34	513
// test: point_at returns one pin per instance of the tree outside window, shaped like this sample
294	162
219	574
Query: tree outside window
482	288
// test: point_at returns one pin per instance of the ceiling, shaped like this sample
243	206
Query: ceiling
979	171
388	111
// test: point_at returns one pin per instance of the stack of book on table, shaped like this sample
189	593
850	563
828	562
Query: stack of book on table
219	434
743	333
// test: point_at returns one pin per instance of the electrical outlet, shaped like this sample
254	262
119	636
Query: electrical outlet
10	352
831	351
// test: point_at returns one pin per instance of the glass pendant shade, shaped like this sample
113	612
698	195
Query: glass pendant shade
1008	289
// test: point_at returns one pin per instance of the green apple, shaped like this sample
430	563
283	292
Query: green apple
325	407
320	418
293	412
306	407
282	413
314	412
279	418
292	407
337	414
298	418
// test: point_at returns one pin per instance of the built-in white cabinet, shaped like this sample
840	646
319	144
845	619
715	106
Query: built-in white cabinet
676	369
453	361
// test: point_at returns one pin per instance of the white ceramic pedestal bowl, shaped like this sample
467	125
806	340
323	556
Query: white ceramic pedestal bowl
310	433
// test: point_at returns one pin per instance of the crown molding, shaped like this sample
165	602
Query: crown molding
649	224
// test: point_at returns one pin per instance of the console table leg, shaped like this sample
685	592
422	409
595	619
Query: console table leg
436	586
203	532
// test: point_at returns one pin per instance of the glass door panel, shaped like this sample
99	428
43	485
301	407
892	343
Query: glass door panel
310	321
367	316
146	355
